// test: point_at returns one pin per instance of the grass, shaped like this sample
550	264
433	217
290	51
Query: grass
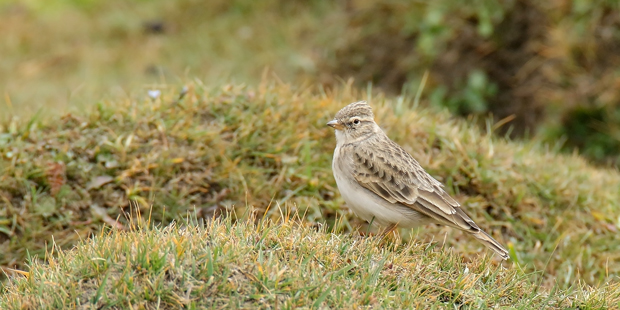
547	68
284	264
215	145
209	150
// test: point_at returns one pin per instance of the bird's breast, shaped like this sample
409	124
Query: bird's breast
364	203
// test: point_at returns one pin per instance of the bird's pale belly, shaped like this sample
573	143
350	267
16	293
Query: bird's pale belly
368	206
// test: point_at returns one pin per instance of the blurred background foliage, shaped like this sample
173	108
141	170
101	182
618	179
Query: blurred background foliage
551	69
552	65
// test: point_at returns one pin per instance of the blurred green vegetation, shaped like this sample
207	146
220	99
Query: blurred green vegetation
535	64
544	65
60	55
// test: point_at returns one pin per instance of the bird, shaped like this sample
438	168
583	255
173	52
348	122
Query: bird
386	186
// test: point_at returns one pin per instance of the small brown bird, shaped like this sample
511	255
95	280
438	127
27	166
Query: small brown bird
384	185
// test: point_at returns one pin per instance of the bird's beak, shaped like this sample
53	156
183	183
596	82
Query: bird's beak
335	124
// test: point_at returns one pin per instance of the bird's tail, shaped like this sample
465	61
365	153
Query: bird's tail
491	243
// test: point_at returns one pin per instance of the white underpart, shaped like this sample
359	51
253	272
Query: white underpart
340	136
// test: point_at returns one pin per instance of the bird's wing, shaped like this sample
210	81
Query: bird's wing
384	168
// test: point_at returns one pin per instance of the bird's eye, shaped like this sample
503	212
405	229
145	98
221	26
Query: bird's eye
356	121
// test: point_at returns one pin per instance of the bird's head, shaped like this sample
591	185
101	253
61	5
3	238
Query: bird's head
354	122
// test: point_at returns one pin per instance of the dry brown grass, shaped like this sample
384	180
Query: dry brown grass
224	148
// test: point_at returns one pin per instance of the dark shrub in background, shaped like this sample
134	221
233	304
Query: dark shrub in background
551	64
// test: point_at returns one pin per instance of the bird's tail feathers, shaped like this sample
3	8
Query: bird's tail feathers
491	243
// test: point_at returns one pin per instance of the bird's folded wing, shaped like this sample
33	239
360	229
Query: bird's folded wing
398	178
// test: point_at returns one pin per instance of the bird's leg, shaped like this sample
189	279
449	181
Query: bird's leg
367	233
388	230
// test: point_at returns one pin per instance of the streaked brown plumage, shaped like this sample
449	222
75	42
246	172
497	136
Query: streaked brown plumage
383	184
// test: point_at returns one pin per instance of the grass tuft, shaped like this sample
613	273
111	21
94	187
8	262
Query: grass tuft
288	263
219	149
